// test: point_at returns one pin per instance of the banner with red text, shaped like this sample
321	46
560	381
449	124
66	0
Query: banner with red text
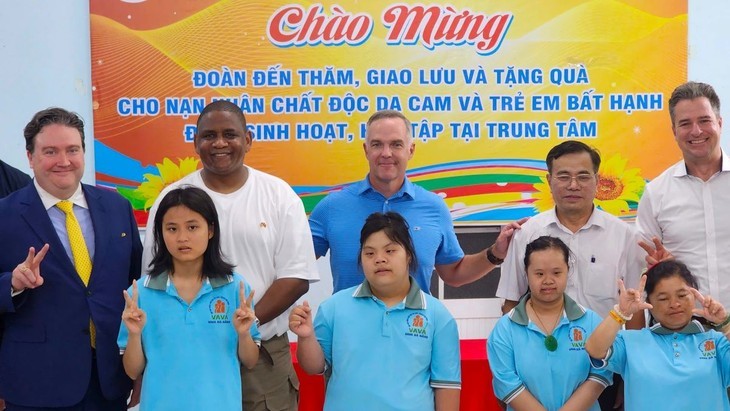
489	86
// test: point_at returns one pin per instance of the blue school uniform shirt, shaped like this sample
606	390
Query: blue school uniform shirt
519	360
191	349
384	358
663	369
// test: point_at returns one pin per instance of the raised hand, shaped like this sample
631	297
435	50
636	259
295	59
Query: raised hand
300	321
632	300
28	273
134	318
656	254
244	315
711	309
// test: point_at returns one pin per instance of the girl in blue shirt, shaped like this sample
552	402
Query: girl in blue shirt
190	323
536	352
387	344
676	364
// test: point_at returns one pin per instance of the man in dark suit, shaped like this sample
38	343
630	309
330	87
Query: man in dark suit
63	273
11	179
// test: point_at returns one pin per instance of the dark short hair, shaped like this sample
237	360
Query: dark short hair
664	270
572	147
395	228
200	202
690	91
382	114
222	105
545	243
667	269
52	115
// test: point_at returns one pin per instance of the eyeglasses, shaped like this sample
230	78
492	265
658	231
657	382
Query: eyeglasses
581	179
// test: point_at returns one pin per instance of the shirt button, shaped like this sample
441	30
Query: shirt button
676	345
190	309
88	293
676	355
387	313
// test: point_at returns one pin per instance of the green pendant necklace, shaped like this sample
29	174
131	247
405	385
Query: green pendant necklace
551	343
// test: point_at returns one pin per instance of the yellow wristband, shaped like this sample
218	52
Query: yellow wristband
617	317
618	312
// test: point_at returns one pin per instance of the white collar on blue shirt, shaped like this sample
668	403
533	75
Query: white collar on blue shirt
49	200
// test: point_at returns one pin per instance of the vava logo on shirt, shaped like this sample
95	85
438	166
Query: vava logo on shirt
417	324
707	349
218	310
577	336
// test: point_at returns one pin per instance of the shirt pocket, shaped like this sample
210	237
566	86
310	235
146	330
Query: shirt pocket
600	280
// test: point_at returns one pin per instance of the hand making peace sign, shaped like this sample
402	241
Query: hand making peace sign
244	315
133	316
28	273
656	254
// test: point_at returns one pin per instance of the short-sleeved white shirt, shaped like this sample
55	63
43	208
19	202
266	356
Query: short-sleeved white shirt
602	251
264	234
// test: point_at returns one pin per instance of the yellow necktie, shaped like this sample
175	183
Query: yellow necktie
82	261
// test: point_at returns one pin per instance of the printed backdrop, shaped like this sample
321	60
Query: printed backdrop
490	87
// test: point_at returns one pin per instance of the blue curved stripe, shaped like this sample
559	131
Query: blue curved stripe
509	214
112	163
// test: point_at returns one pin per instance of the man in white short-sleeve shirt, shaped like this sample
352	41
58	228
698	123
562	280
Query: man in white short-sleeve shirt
686	207
603	248
265	235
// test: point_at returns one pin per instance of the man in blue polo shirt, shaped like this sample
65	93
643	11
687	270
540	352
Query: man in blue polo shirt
337	219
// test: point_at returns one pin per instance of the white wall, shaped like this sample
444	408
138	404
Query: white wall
45	61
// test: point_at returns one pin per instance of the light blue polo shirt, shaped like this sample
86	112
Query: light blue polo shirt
387	358
663	369
337	220
191	350
519	360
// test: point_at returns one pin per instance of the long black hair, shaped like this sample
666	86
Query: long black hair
197	200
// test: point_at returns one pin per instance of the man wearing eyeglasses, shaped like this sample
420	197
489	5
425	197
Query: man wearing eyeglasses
603	248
